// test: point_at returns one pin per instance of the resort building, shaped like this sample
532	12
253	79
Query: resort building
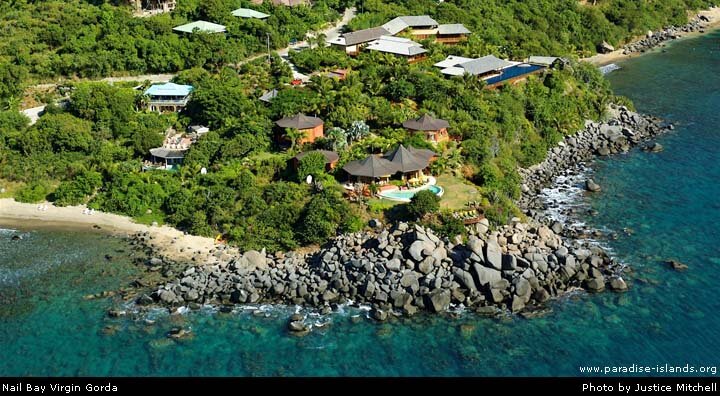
250	14
353	42
452	33
371	169
165	159
310	127
152	7
494	71
433	129
171	154
200	26
486	66
331	158
410	161
403	47
420	27
168	97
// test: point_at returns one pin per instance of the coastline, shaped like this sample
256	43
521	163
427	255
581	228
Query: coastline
566	165
164	240
516	268
713	15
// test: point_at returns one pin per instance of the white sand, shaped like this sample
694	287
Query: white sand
166	240
712	14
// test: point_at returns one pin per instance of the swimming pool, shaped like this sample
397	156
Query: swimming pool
406	195
512	72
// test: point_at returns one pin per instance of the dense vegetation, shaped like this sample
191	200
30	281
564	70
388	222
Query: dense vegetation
50	38
92	150
519	28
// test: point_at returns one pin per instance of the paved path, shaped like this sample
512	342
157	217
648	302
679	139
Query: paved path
330	32
34	113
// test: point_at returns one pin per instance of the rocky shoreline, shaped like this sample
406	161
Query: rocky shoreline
623	130
654	39
405	268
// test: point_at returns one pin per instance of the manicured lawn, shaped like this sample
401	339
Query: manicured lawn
458	192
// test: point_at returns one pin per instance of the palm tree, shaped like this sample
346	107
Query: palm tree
472	82
188	171
294	135
142	102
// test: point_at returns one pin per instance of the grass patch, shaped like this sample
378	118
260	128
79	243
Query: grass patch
10	188
149	218
458	192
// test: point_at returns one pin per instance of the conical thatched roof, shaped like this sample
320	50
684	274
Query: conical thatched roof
406	160
372	166
426	123
299	121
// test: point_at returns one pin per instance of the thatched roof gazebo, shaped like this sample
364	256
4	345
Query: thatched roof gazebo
372	167
310	127
299	121
406	160
434	129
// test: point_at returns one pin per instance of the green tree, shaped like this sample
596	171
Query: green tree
423	203
323	216
64	132
110	107
34	192
311	164
75	191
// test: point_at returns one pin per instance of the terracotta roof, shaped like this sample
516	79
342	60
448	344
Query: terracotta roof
299	121
426	123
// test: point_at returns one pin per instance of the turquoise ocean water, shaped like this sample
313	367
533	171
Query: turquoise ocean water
669	201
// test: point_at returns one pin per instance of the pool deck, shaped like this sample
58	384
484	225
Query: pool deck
431	182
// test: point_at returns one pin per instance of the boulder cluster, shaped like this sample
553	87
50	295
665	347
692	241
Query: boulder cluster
403	270
655	39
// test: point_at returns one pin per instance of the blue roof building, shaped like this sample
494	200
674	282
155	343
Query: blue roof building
168	97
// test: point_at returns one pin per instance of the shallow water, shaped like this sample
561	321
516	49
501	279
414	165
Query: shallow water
668	201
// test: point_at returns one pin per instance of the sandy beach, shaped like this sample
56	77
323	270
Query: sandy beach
713	15
168	242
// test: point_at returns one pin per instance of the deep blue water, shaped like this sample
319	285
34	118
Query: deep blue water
670	201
